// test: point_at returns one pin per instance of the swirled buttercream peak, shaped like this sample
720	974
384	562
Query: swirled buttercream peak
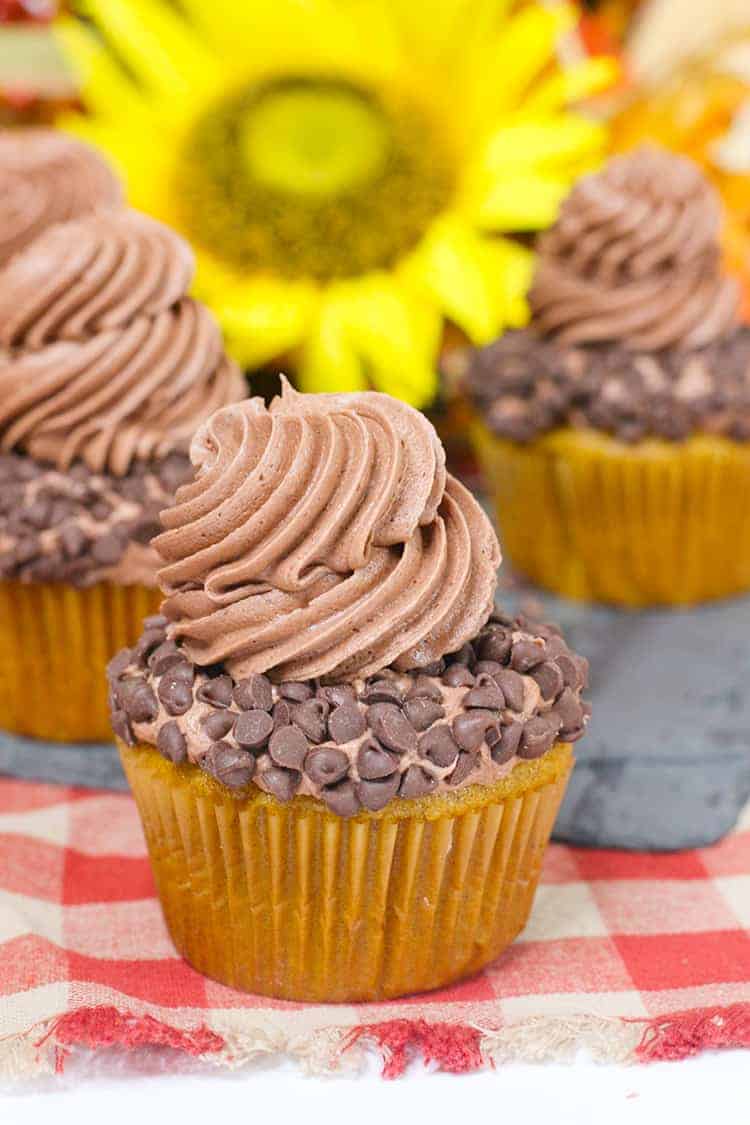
322	537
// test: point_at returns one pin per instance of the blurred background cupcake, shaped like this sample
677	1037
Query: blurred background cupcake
47	177
621	417
106	370
347	764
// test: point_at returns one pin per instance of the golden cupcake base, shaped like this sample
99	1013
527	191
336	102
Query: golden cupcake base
292	901
588	517
55	642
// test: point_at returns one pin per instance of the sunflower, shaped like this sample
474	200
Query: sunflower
343	168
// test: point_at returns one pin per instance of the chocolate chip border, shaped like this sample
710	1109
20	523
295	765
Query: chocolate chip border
69	526
356	745
525	384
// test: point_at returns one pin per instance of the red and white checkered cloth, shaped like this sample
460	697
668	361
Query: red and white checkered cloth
633	955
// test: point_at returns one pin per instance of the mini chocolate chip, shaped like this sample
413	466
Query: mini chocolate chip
507	745
495	645
488	667
73	540
252	729
458	675
465	765
108	549
416	783
217	692
311	717
574	670
288	747
296	692
485	693
184	671
373	762
119	663
550	679
218	724
101	510
164	657
144	529
121	726
346	723
512	687
171	742
526	655
375	795
138	700
337	694
570	710
254	693
281	783
175	693
233	768
469	727
424	687
38	513
391	727
538	736
173	471
149	640
439	745
422	712
342	799
326	765
281	714
382	691
556	646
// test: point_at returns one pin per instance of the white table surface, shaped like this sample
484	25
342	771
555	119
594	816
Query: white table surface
712	1088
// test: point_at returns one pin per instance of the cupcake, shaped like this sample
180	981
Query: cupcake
347	764
106	370
47	177
619	421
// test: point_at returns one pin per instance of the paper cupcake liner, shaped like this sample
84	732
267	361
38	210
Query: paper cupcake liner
292	901
55	641
590	518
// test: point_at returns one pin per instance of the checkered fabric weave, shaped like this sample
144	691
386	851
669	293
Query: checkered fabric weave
622	950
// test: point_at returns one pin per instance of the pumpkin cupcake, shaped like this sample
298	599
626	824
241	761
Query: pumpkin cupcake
347	764
621	417
47	177
107	369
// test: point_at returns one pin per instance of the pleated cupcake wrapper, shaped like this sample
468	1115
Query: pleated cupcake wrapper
653	523
55	642
291	901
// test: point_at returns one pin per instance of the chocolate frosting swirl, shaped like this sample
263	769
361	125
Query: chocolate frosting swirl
106	358
321	537
46	178
634	257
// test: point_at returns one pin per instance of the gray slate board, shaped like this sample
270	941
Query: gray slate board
666	761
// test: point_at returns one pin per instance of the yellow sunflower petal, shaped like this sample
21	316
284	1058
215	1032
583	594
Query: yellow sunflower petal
518	55
157	45
396	335
522	202
374	333
289	35
263	319
564	138
573	84
109	92
328	361
466	275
